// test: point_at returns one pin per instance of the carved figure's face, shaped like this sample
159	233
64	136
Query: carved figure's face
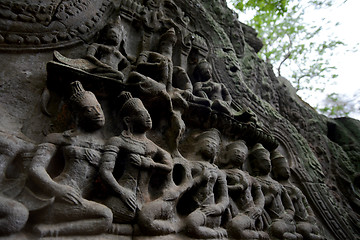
282	172
166	47
140	120
91	113
205	71
113	36
236	156
208	149
263	164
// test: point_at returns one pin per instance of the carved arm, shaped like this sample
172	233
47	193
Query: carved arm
37	171
106	172
287	203
222	190
225	93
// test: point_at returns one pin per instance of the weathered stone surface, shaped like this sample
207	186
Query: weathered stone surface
157	120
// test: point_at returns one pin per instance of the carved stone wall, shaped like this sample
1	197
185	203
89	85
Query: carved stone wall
155	119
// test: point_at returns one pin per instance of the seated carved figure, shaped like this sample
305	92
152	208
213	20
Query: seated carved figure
71	213
128	163
182	88
103	59
278	205
13	214
160	217
152	77
209	191
152	81
206	88
106	55
304	216
216	95
246	199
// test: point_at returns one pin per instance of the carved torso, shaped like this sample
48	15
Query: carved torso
297	198
242	198
272	191
110	55
82	157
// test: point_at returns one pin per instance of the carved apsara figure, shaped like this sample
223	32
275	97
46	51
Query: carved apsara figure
152	81
160	217
128	163
205	87
14	215
246	198
209	190
106	55
71	213
304	215
278	205
103	59
152	77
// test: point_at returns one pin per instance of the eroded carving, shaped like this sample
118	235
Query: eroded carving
209	194
246	198
303	215
14	214
279	210
150	171
71	213
138	157
206	88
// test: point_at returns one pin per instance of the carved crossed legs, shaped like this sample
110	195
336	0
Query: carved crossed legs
86	218
123	216
13	215
158	218
309	231
244	227
199	225
284	230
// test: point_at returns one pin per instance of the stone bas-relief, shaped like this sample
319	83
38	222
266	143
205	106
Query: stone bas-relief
303	215
246	197
144	134
279	210
71	212
140	158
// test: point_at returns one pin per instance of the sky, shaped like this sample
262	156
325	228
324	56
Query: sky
347	62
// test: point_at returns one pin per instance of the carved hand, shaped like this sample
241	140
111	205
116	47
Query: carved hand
129	198
254	212
207	89
147	162
206	175
135	159
287	217
68	194
211	210
236	187
163	167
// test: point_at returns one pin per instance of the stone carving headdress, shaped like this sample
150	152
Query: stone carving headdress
278	160
240	143
80	97
170	36
130	105
259	151
200	44
213	134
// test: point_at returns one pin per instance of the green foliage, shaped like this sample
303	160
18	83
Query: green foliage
268	6
295	47
289	42
337	105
